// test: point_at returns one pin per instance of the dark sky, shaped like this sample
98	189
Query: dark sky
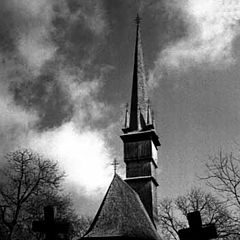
66	71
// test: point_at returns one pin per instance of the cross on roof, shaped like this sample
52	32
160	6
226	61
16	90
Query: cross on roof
196	230
49	226
138	19
115	163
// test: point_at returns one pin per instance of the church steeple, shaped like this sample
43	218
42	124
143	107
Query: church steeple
140	139
129	208
140	116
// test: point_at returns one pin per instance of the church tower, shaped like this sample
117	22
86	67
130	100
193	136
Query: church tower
140	139
129	208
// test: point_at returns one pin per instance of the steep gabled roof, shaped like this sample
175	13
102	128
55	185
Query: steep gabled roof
122	214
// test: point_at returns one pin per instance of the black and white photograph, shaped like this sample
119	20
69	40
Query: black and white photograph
119	119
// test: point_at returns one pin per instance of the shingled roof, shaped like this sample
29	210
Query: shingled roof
122	215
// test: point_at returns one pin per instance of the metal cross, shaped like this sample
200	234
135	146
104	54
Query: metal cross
115	163
138	19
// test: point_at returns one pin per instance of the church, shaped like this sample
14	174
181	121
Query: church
129	208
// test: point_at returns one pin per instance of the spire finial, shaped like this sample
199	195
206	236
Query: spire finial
138	19
115	163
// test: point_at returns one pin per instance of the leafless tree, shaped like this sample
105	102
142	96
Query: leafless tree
173	212
224	177
169	222
25	176
65	213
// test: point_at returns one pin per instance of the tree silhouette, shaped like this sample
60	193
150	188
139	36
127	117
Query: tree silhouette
173	213
25	177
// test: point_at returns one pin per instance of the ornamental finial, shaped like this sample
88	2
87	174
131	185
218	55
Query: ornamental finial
138	19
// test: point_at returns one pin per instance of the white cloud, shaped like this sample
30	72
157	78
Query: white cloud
212	27
93	13
96	20
35	47
14	115
31	30
81	151
15	121
84	96
14	124
82	154
33	26
33	7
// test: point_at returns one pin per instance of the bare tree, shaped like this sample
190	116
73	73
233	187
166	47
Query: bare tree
65	213
169	222
224	177
25	177
173	212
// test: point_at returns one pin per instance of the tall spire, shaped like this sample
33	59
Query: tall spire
140	138
139	113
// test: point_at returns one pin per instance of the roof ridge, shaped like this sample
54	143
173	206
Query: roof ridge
119	214
100	208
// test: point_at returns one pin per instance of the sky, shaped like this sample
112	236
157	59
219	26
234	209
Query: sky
66	72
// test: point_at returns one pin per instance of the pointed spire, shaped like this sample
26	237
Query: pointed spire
139	113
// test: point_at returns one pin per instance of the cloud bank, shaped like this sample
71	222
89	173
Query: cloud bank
49	101
83	155
211	28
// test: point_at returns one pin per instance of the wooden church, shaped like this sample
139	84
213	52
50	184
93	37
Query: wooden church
129	208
